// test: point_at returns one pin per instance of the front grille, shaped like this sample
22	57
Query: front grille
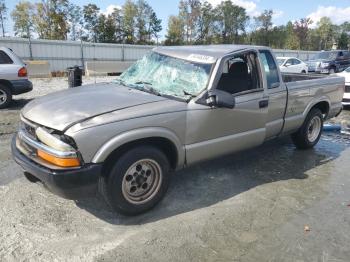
30	130
347	89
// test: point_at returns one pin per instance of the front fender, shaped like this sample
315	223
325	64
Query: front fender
137	134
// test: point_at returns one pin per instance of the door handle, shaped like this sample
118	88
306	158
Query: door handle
263	103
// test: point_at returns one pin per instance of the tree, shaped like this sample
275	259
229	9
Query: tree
129	12
41	20
264	25
106	28
326	32
232	19
58	10
50	19
292	41
22	16
206	23
91	17
155	26
144	12
76	21
343	41
118	22
301	30
3	12
175	31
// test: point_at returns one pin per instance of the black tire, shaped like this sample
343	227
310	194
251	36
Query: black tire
5	96
301	138
332	70
111	186
303	72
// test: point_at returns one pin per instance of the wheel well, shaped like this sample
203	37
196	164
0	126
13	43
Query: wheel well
5	83
324	107
165	145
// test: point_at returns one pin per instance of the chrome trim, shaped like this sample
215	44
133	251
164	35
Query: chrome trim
37	145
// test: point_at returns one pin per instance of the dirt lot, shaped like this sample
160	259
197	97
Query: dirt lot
252	206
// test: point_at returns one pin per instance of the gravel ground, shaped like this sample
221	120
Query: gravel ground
273	203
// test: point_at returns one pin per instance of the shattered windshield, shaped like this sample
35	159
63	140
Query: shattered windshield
165	75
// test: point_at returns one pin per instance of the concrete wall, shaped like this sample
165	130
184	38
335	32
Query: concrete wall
93	68
38	68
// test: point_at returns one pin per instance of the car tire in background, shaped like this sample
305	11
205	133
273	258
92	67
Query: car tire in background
332	70
310	132
137	181
5	96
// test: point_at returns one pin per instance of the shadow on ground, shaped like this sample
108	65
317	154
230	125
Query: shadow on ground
208	183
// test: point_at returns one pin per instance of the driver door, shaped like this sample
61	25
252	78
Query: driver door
212	132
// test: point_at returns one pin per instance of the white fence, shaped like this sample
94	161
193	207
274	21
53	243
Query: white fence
63	54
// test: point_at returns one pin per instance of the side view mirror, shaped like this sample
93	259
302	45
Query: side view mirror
220	99
288	64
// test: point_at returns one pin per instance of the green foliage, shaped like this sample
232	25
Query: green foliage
22	16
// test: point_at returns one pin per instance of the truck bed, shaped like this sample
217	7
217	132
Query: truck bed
289	77
305	90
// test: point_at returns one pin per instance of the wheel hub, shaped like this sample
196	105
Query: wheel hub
142	181
314	129
3	97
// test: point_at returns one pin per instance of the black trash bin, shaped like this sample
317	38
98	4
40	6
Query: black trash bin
75	74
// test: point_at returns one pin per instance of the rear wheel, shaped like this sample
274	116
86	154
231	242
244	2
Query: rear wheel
332	70
5	96
303	72
138	180
310	132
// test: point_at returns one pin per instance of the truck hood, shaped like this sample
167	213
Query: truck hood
63	109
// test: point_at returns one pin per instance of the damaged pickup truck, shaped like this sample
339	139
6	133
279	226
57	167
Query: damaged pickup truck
175	107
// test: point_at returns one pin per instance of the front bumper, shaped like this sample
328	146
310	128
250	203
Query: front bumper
346	98
21	86
67	183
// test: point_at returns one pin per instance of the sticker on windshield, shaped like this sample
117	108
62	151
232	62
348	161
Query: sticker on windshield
201	58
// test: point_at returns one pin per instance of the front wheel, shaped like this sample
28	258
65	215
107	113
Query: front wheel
310	132
138	180
332	71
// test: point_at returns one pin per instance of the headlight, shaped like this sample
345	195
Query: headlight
58	152
324	64
52	141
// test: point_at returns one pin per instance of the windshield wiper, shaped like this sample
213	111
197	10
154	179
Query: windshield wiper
188	94
147	87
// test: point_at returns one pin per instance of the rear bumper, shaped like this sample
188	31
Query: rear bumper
70	183
21	86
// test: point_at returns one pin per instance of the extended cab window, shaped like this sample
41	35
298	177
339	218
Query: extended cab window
4	58
270	68
240	74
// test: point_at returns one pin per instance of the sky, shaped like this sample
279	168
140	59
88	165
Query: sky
284	10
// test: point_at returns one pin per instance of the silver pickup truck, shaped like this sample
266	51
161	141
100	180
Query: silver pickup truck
175	107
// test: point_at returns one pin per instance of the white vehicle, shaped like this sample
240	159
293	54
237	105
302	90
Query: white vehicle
292	65
346	74
13	76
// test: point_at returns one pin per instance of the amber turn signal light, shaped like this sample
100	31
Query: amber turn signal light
61	162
